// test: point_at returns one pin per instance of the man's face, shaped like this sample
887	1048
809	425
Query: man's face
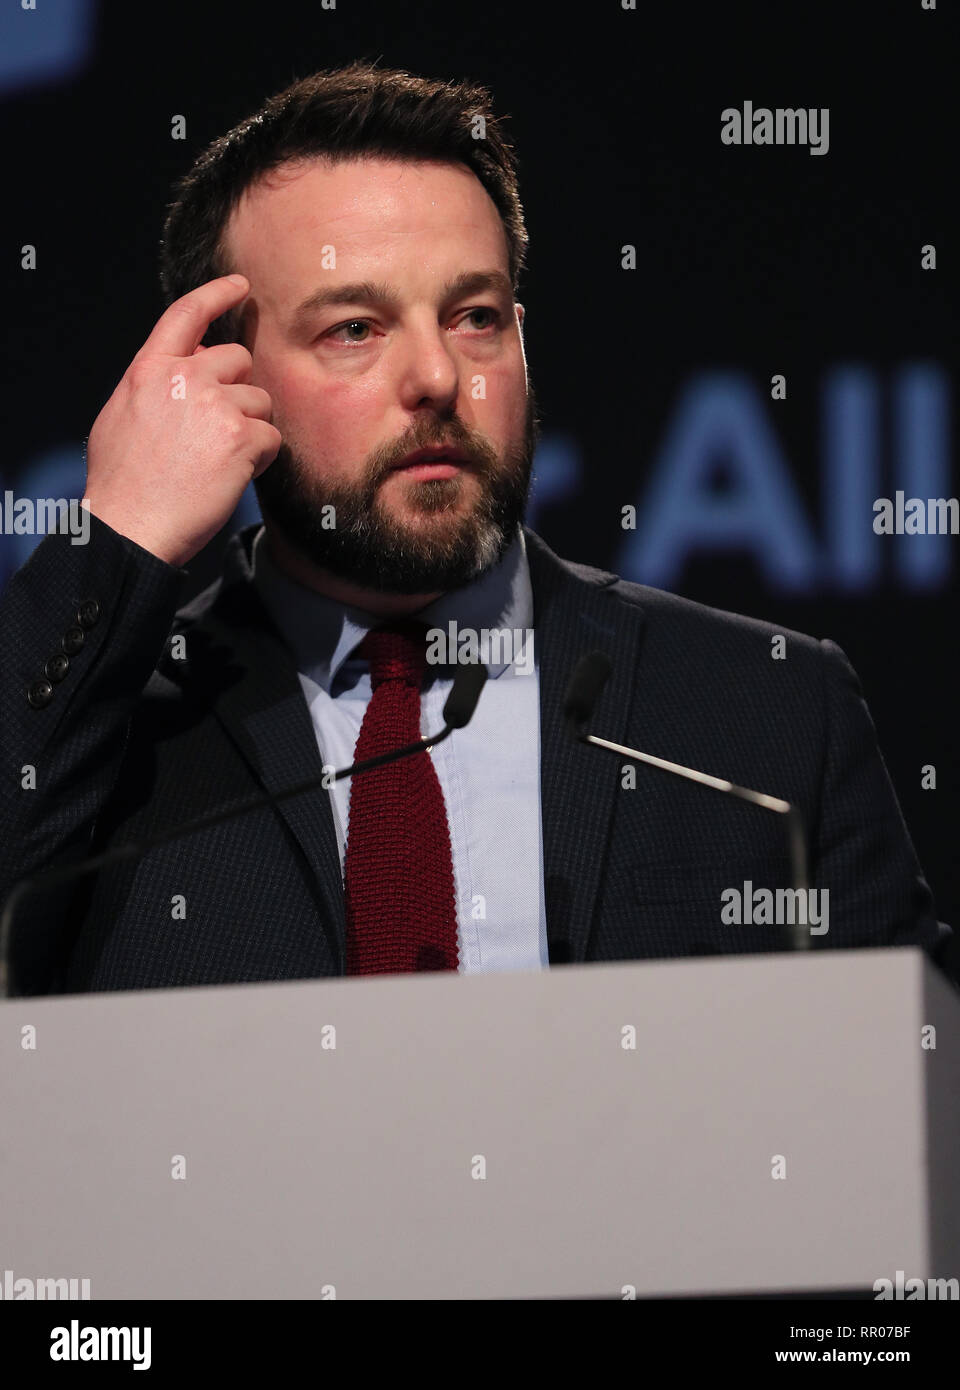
412	339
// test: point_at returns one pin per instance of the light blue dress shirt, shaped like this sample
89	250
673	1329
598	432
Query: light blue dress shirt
489	772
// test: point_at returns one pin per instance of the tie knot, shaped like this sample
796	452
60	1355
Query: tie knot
396	652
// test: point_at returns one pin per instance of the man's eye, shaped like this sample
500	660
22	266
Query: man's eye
484	309
342	327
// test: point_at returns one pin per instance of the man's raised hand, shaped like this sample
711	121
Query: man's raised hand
173	449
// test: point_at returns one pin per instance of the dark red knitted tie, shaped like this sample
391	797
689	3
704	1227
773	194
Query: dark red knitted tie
398	871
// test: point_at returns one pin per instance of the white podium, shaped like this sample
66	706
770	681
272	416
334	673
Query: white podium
725	1125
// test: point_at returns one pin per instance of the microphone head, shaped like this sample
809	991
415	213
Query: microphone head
462	700
586	686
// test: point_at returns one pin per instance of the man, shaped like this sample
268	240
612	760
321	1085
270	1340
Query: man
350	258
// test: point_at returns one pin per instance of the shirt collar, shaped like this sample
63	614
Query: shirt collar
322	633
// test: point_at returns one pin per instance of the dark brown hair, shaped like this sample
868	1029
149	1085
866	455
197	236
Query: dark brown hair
345	113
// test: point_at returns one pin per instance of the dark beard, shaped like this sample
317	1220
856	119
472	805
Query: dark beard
371	549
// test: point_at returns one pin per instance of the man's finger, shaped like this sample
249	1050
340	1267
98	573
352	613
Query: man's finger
178	331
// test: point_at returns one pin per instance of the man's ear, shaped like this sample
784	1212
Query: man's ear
520	313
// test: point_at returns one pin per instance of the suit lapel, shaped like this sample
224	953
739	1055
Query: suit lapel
575	612
260	703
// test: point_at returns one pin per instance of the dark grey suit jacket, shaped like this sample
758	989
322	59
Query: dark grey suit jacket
127	741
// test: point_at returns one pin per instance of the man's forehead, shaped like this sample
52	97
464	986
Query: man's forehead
354	200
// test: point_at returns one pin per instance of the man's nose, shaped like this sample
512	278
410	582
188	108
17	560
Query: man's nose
429	375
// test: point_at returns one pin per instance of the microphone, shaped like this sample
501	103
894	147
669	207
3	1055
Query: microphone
586	685
458	710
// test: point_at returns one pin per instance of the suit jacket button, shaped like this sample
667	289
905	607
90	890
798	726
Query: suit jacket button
88	614
57	667
40	694
72	640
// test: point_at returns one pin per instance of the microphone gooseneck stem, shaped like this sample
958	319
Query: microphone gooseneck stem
50	878
799	939
458	710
